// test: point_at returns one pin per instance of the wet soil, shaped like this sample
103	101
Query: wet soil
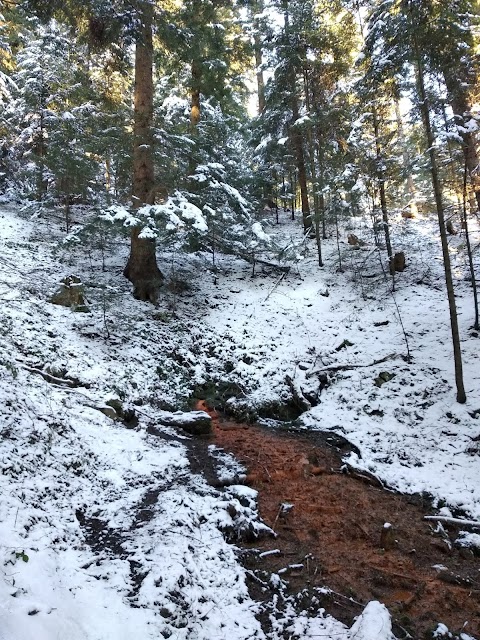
330	532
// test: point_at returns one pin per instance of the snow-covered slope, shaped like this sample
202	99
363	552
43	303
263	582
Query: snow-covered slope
106	532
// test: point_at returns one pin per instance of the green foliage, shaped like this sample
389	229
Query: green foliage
21	555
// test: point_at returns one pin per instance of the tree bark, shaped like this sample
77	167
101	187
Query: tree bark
195	112
461	108
258	7
424	107
317	209
297	137
406	160
142	269
381	187
476	324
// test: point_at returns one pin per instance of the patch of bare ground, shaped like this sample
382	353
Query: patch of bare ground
331	532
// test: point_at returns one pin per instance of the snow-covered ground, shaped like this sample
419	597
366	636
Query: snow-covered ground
105	531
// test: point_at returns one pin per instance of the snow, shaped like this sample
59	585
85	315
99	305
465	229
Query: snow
468	539
374	622
67	471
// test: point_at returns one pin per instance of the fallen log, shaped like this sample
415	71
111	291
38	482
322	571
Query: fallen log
451	520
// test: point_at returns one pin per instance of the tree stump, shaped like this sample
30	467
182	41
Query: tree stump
397	263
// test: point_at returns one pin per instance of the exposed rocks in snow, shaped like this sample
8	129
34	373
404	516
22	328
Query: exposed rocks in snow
108	411
197	423
71	293
383	377
354	240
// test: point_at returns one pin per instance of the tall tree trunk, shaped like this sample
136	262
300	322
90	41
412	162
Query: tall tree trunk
257	8
425	109
452	165
297	141
142	269
461	108
296	136
41	141
471	264
406	160
313	174
195	112
381	188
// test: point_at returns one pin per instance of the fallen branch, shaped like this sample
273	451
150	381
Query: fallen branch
363	476
271	265
53	379
346	367
394	574
461	521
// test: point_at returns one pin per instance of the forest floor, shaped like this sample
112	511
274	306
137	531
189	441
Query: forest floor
114	529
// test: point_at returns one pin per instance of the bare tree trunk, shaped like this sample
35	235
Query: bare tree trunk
142	269
424	107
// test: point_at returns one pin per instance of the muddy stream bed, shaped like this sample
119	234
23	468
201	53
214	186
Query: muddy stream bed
330	532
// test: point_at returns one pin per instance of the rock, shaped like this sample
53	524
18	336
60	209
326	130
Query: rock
55	370
130	418
466	553
108	411
383	377
354	240
71	293
114	409
116	404
197	423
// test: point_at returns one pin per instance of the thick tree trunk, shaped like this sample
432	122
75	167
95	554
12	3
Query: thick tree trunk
461	108
461	396
142	269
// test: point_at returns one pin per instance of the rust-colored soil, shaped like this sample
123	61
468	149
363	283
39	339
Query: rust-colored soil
334	530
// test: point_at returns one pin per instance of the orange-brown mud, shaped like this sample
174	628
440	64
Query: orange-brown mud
332	536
